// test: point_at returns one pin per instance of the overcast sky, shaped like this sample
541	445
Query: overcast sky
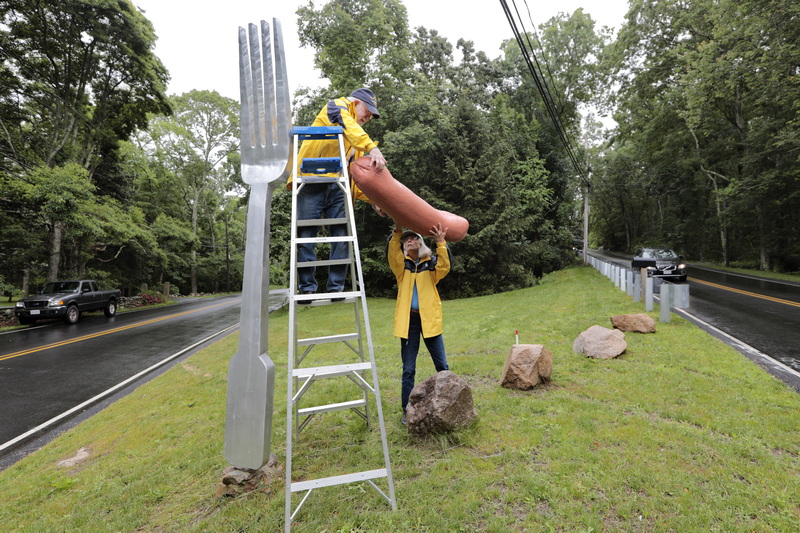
197	41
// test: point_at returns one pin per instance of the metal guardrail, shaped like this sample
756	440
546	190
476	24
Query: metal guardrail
638	285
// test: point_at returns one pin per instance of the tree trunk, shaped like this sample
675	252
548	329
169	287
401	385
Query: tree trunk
193	262
763	260
725	234
26	280
228	257
55	251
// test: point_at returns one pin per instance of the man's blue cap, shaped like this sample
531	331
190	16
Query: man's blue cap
368	97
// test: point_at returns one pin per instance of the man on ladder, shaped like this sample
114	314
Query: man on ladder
318	200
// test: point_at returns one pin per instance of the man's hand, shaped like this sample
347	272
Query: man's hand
439	233
378	161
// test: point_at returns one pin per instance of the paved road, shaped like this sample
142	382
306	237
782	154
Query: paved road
53	368
762	313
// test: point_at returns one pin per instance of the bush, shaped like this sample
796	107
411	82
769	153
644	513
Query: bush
152	298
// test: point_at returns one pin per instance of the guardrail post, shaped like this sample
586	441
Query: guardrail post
666	293
648	291
680	296
629	282
637	287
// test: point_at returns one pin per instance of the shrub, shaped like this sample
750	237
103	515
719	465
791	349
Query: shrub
152	298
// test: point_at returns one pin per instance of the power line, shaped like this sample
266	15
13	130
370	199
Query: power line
523	40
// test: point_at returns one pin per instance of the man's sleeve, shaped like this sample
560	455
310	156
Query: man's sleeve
355	134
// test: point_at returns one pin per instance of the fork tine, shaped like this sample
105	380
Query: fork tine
257	86
245	91
269	84
283	105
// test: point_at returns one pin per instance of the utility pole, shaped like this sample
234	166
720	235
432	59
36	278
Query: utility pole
586	183
586	220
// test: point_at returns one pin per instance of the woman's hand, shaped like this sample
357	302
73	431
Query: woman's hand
438	233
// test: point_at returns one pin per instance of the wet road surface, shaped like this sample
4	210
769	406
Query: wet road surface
48	370
762	313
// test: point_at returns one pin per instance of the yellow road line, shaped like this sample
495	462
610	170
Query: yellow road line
106	332
753	294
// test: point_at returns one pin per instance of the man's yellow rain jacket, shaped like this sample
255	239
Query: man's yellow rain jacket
425	274
339	112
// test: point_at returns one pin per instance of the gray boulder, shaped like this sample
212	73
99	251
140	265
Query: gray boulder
639	323
527	366
440	404
600	343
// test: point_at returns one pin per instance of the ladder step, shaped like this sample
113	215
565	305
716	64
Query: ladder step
321	297
323	262
315	240
338	480
317	132
328	339
321	222
306	179
330	371
321	165
331	407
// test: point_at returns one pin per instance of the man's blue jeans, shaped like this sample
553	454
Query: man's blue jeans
318	200
409	348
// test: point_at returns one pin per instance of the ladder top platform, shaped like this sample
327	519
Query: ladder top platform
317	132
320	165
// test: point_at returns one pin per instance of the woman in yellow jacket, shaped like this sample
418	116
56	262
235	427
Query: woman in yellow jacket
327	199
419	308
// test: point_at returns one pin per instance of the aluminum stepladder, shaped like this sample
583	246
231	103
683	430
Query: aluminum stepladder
359	371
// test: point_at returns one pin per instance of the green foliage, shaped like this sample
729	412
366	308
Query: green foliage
77	77
708	114
467	133
355	41
187	173
460	137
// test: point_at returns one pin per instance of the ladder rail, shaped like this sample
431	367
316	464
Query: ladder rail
297	186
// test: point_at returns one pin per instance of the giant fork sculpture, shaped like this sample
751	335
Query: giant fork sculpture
266	152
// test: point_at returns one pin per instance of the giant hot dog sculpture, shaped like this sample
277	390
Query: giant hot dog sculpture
399	202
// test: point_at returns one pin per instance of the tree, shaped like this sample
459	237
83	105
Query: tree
191	147
76	78
708	93
356	41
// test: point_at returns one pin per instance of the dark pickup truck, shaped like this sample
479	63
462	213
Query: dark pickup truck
66	300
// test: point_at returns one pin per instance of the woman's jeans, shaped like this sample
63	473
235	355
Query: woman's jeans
314	201
409	348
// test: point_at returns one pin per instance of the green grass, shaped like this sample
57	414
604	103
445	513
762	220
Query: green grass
782	276
680	433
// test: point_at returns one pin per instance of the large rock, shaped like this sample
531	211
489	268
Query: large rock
440	404
639	323
600	343
527	366
237	481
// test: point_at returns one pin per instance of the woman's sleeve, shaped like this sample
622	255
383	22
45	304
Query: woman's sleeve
397	260
442	261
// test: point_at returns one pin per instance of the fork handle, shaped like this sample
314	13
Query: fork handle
253	323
